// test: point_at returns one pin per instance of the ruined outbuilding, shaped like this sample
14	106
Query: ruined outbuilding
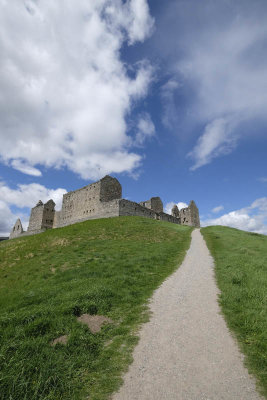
17	229
102	199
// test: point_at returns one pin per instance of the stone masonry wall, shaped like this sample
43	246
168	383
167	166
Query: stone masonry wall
80	204
185	216
89	202
57	216
110	189
154	203
101	199
131	208
17	229
169	218
36	217
42	216
103	210
190	216
194	214
48	215
127	207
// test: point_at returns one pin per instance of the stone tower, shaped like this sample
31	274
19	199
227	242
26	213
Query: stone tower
175	211
42	216
190	216
194	214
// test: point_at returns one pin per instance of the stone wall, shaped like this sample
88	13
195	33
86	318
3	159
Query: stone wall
154	203
190	216
194	214
36	217
169	218
127	207
89	202
103	210
131	208
17	229
42	216
48	215
110	189
175	211
101	199
57	216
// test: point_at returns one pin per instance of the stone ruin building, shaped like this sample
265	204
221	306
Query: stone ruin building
102	199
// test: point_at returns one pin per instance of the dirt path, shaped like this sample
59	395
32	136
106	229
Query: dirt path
185	351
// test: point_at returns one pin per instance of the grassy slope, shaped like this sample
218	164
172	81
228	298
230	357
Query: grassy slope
109	267
241	272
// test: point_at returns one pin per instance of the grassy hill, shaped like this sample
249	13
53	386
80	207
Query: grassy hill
106	267
241	273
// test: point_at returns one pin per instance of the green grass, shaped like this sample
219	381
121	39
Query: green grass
109	267
241	272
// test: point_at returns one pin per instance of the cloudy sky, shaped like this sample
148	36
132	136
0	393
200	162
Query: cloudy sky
168	96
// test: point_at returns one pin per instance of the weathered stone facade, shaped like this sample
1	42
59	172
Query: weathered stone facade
101	199
17	229
154	203
190	215
175	212
42	216
97	200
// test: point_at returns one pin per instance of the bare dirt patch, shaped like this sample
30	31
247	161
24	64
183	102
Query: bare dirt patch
65	266
30	255
60	242
94	322
61	339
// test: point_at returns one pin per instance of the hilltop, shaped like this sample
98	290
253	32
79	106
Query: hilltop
105	270
107	267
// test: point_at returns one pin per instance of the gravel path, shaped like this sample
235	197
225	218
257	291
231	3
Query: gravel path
185	351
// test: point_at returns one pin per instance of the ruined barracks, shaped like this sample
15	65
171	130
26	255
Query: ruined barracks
102	199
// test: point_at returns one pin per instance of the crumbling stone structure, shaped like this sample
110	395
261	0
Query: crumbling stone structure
154	203
98	200
102	199
175	211
42	216
190	215
17	229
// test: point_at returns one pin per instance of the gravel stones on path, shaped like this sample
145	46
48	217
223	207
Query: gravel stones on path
185	351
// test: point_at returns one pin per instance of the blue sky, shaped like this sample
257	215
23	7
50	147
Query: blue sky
169	97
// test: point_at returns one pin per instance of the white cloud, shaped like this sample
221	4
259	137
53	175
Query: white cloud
181	205
260	204
263	179
252	218
140	25
25	169
25	195
65	92
169	117
216	140
168	207
217	209
145	129
222	67
7	219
